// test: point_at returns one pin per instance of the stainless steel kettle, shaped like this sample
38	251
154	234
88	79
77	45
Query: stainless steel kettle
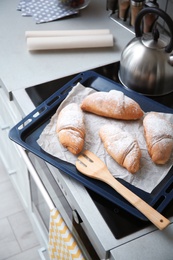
146	64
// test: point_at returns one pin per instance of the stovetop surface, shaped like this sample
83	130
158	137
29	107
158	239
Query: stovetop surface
120	222
110	71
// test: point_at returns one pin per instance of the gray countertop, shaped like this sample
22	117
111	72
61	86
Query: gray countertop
20	68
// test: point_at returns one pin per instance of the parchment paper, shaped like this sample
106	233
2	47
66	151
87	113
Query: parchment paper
70	42
149	175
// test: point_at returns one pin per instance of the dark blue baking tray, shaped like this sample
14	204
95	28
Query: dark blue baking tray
28	130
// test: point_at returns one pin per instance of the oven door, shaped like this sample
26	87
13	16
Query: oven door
46	195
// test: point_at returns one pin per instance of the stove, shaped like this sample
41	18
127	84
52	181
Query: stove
120	222
110	71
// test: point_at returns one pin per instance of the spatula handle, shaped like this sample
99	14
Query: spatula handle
154	216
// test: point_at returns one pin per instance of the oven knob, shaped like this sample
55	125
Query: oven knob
76	217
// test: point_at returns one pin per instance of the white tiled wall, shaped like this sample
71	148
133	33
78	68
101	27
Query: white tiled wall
166	5
170	8
162	4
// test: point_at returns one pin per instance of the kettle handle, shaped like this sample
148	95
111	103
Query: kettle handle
160	13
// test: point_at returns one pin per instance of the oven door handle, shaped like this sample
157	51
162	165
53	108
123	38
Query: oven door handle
36	178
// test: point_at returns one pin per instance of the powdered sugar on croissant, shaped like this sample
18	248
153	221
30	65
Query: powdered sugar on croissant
70	128
121	146
112	104
159	137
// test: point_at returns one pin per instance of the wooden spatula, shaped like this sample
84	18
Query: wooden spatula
90	165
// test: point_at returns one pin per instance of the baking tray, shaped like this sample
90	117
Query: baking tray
28	130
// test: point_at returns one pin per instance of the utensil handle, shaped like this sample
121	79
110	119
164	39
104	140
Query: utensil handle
154	216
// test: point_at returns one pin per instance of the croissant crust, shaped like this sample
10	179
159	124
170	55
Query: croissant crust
158	133
112	104
70	128
121	146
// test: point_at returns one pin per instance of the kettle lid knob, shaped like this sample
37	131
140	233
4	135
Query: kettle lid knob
155	34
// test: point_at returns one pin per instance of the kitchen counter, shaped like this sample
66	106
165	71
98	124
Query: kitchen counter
20	68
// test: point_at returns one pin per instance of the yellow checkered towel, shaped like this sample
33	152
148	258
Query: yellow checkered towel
62	245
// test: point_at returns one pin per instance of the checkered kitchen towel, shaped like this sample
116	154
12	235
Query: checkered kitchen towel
45	10
62	245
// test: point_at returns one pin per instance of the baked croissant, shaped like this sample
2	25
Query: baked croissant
112	104
70	128
158	133
121	146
